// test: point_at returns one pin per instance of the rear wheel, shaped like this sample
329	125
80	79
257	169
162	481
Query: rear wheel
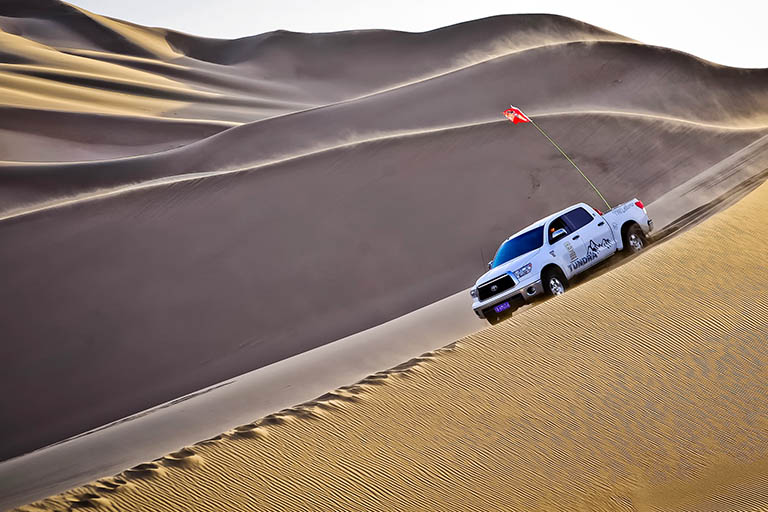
634	239
554	282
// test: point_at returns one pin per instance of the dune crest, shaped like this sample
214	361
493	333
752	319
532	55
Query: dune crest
450	101
153	41
671	124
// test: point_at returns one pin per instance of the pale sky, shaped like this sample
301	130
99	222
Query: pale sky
730	32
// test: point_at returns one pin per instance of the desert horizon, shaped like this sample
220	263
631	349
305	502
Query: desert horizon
201	234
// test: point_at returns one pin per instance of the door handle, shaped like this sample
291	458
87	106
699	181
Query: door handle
601	224
576	237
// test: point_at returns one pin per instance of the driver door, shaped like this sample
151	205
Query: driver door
567	248
594	234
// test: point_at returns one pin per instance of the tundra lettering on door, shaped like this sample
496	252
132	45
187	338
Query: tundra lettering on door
593	253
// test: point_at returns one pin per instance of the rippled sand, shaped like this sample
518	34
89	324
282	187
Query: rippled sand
643	389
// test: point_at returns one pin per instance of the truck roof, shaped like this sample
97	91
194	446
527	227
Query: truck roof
548	218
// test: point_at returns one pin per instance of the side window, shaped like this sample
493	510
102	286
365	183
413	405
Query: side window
555	225
578	218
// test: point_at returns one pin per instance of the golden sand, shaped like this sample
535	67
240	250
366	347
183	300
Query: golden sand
31	92
643	389
44	55
151	40
60	84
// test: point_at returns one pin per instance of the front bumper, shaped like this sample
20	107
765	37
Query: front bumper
517	296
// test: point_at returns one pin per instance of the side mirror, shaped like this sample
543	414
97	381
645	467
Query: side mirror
490	264
558	234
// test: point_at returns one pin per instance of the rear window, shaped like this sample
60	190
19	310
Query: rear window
578	218
521	244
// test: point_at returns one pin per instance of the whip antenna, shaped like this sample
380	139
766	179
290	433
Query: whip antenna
515	115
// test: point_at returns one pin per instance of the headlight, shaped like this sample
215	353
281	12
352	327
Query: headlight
519	273
473	292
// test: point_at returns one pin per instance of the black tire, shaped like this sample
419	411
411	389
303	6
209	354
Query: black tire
554	282
493	320
634	239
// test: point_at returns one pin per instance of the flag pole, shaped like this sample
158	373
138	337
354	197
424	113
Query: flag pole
516	115
571	161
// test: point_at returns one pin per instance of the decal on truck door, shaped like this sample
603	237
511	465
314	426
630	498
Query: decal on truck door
591	256
571	252
592	249
596	246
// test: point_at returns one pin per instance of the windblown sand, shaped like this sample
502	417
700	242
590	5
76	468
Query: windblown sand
643	389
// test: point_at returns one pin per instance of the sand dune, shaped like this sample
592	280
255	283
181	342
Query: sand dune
285	71
194	295
180	210
643	389
300	378
32	187
34	135
701	91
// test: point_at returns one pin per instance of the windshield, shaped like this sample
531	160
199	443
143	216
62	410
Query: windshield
521	244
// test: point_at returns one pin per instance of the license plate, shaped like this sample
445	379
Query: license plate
501	307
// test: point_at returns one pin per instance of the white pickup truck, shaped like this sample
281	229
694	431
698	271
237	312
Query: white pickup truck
541	258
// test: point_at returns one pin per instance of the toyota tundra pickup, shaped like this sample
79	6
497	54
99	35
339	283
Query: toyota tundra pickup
542	258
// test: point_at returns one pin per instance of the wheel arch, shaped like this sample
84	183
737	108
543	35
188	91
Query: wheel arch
551	266
624	228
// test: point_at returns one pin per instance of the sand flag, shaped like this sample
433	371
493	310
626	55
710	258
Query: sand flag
516	115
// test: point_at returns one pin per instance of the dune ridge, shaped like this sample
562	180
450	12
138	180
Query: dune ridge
441	104
273	65
255	166
639	390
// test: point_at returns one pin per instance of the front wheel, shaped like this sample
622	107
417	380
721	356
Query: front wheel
493	320
554	282
634	239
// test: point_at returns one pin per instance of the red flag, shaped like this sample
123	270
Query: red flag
515	115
